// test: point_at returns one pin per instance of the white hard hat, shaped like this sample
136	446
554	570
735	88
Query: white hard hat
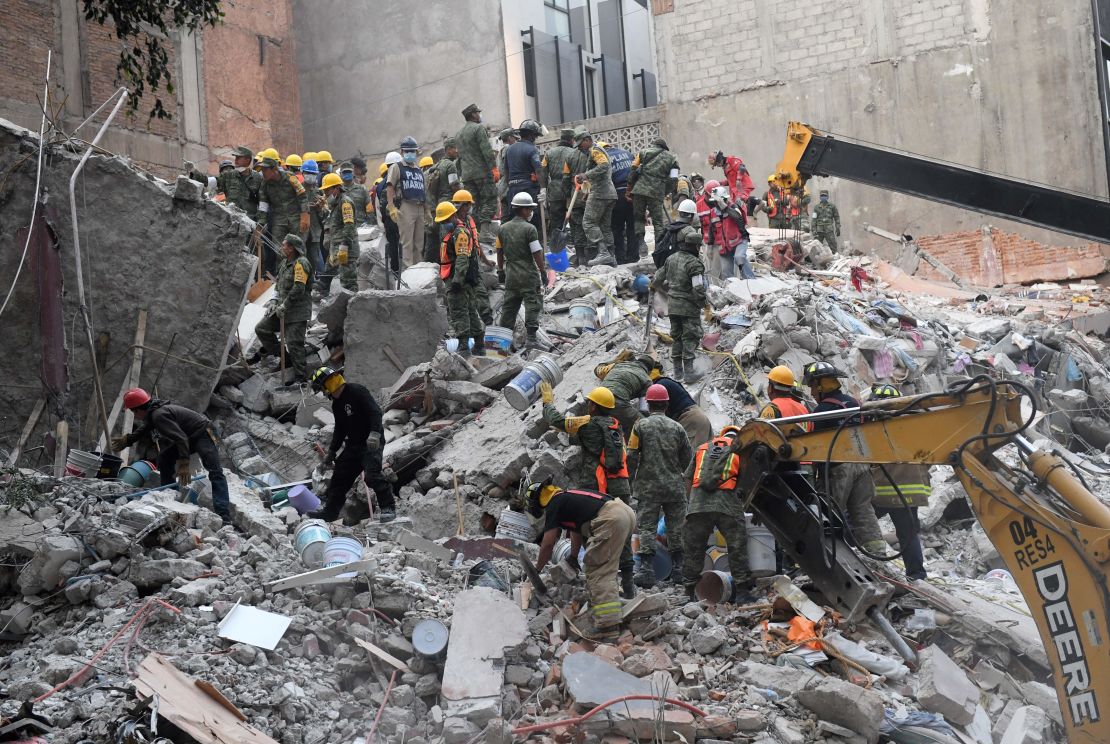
392	157
687	206
523	199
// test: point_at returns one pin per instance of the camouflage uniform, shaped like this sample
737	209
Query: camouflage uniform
522	278
360	198
597	220
294	305
652	171
627	381
314	238
575	163
658	454
462	302
284	200
684	277
343	241
240	189
719	506
476	164
826	224
559	187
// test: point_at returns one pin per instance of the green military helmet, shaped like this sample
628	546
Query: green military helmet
471	109
660	142
242	152
270	163
566	134
296	242
693	238
581	134
450	142
505	134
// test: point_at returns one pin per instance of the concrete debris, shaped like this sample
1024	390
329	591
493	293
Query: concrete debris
942	687
386	332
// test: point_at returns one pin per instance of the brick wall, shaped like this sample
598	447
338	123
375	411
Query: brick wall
992	257
25	37
921	26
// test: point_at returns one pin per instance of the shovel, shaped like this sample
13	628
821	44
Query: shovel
559	238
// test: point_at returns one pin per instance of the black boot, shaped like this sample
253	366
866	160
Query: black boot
678	374
479	346
676	567
691	372
464	346
628	589
644	577
532	341
690	593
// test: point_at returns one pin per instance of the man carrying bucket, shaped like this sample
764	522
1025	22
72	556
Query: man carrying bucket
359	433
604	522
177	432
714	476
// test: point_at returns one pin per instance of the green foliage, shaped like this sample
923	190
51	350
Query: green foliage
144	27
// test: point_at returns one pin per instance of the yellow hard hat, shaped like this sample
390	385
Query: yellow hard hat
602	396
270	152
426	161
294	160
444	210
781	375
771	178
308	156
323	157
602	145
462	196
382	169
331	179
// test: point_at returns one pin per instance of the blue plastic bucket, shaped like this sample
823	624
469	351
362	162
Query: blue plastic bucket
524	390
309	538
559	261
137	473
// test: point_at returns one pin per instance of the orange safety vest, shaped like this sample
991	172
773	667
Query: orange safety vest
447	249
602	473
789	407
730	470
772	205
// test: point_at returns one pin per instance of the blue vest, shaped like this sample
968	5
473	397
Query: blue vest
412	183
621	162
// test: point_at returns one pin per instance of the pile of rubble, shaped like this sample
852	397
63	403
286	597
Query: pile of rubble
437	633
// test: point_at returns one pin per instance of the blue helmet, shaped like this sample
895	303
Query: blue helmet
641	283
309	166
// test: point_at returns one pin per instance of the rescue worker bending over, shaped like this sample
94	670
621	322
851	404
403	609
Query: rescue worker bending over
604	455
628	380
682	408
360	436
177	432
604	522
290	312
714	475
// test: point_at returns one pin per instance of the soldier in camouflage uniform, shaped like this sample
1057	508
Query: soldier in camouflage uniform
293	306
605	460
240	185
575	164
508	138
520	267
559	187
826	221
283	199
360	197
440	182
629	380
658	454
476	165
714	476
343	249
597	220
464	202
317	220
461	273
683	277
653	172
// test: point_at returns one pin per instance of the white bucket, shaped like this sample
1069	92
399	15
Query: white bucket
499	340
583	315
761	549
524	389
514	525
309	538
429	639
83	463
339	551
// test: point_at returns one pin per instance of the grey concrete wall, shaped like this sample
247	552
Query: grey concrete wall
373	72
1003	86
181	261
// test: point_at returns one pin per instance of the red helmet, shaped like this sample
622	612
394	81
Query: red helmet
657	392
710	185
135	397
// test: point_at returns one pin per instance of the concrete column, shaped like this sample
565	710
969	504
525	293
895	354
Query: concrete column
192	87
765	17
71	60
882	39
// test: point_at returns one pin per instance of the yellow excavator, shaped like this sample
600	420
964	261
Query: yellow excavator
1052	532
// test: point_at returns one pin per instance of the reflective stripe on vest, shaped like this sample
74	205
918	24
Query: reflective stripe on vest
772	205
730	469
447	248
789	407
602	473
587	494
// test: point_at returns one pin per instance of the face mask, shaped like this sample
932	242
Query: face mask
243	168
824	198
410	158
310	179
347	176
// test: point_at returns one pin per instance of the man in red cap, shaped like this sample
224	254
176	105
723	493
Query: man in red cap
177	432
658	454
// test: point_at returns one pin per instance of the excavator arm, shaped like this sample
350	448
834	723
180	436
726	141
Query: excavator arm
810	153
1051	531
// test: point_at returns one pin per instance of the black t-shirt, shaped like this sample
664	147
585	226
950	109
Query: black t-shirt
835	401
680	399
569	510
356	415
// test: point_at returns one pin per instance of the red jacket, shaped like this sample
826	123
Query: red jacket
724	229
739	180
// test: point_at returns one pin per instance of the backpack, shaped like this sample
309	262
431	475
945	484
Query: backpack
666	244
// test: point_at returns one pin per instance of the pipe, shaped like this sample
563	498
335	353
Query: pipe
892	635
122	93
385	701
582	718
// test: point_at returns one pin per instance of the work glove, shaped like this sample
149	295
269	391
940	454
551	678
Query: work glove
329	459
119	443
304	222
374	441
547	394
184	473
543	196
500	276
707	314
342	256
280	310
394	214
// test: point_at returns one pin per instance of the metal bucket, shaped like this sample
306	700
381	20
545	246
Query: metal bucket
309	538
761	549
716	559
714	587
583	315
429	639
524	389
499	340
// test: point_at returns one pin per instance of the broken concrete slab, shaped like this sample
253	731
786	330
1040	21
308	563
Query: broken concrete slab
942	687
44	571
484	625
1028	726
332	310
388	331
833	699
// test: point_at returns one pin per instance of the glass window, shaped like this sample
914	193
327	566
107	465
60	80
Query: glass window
556	16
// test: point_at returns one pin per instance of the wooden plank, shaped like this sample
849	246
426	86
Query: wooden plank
136	372
28	429
392	356
319	576
192	707
393	661
61	447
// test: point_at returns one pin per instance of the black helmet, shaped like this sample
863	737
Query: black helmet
534	495
531	125
320	376
817	370
408	143
884	390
